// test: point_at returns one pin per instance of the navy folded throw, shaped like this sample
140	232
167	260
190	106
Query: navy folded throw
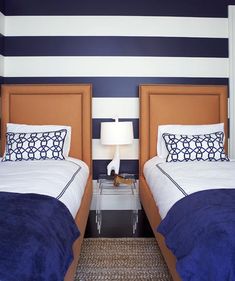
36	237
200	231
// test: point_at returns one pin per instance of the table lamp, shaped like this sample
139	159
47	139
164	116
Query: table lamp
116	133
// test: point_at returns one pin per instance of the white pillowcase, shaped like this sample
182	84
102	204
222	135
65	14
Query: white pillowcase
162	151
23	128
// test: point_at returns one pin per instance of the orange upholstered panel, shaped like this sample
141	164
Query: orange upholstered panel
51	104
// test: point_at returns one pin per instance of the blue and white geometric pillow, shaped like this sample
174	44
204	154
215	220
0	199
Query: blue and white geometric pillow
35	146
208	147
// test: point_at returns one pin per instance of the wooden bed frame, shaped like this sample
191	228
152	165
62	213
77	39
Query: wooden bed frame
56	105
173	104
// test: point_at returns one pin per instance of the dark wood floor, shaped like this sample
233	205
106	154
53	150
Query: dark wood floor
118	224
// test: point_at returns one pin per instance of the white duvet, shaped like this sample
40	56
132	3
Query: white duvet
170	182
61	179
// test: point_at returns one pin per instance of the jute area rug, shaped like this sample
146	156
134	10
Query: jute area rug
129	259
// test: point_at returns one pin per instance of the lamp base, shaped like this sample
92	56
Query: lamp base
114	165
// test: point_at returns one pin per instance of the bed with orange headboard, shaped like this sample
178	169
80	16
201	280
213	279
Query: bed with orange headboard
58	105
173	104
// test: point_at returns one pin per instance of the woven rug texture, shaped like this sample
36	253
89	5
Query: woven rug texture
129	259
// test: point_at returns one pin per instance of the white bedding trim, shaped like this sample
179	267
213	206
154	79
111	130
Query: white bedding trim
169	182
61	179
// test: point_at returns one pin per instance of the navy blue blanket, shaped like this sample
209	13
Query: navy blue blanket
200	231
36	237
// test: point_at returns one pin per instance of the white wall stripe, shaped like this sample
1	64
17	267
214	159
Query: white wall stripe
116	26
111	107
2	24
1	65
232	80
102	152
115	67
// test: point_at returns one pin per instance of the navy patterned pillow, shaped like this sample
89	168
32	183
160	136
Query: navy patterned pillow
208	147
35	146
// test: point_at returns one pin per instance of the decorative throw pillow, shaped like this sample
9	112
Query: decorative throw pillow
179	129
35	146
207	147
25	128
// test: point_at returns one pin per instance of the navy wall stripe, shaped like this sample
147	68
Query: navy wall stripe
200	8
96	126
116	46
1	44
126	166
116	86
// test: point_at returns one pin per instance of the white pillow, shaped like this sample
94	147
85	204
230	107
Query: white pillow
23	128
184	130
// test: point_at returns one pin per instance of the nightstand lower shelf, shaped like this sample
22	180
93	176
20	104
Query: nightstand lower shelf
106	189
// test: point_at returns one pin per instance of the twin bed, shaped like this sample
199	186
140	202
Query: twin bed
69	181
161	184
201	245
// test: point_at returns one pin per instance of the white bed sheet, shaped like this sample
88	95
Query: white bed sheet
61	179
169	182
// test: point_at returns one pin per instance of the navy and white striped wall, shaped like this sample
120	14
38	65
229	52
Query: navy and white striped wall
115	45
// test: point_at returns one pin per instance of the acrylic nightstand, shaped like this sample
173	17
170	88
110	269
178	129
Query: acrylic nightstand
106	187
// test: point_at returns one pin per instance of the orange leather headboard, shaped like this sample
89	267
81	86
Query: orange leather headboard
178	104
51	105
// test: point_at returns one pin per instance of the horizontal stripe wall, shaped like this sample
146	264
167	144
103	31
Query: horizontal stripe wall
116	46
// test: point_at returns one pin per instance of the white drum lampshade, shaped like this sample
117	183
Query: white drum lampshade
116	133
